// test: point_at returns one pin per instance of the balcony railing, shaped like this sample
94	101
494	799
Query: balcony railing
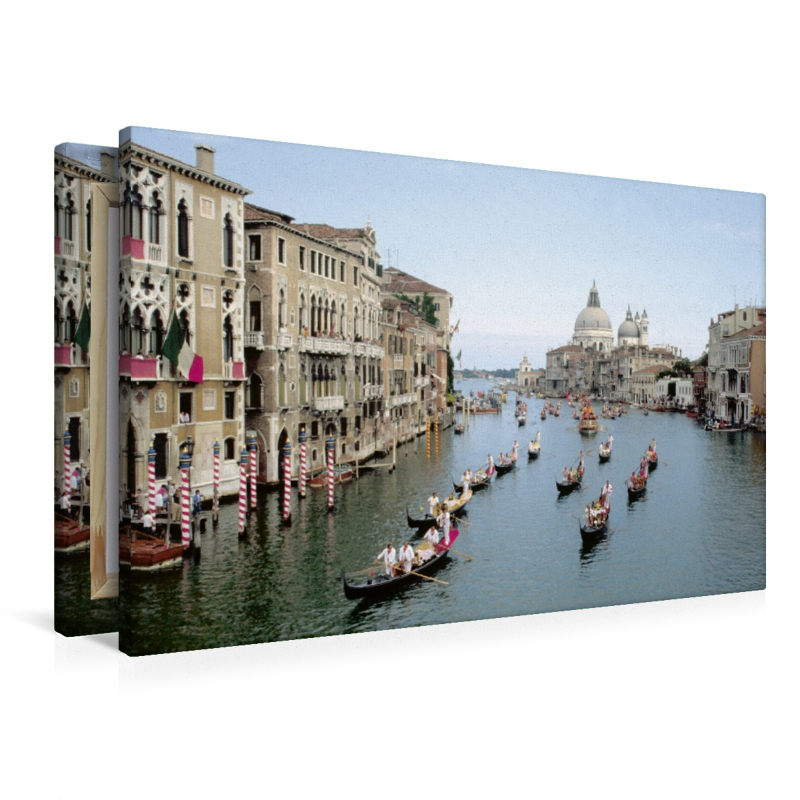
318	344
334	403
154	252
67	248
398	359
401	400
139	369
132	247
284	341
360	349
375	351
372	392
63	356
254	339
233	370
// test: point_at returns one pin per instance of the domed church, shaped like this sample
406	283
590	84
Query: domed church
633	330
593	327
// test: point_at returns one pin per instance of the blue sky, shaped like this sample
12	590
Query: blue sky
517	248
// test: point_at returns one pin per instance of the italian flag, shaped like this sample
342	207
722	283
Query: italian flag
177	350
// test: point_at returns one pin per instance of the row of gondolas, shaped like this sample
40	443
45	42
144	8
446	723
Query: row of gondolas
397	567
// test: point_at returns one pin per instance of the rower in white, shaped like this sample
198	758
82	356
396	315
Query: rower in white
406	557
389	556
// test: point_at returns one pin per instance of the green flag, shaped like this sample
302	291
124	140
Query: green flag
84	330
459	355
172	344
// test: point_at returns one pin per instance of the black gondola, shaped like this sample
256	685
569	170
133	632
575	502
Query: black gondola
381	585
566	487
521	421
591	533
533	454
652	463
604	458
635	494
459	430
482	483
503	468
421	525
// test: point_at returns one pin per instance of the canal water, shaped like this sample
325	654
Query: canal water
699	529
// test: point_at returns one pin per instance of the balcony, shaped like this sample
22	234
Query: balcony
334	403
401	400
375	351
233	370
317	344
63	356
132	247
373	392
139	369
254	339
154	252
67	248
398	360
284	341
359	349
420	381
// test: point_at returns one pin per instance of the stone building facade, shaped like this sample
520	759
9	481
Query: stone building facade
72	293
181	254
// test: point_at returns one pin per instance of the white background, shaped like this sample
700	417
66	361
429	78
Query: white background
679	699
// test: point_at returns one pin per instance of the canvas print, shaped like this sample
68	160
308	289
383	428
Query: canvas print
363	392
79	467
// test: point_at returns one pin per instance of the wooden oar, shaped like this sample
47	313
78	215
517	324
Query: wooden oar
427	577
450	550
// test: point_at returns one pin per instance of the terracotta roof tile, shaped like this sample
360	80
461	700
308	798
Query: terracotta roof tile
403	283
758	330
255	213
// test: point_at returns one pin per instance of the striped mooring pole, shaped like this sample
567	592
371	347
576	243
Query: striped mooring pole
186	534
428	435
242	490
436	430
253	468
287	482
330	473
301	483
151	478
67	442
215	502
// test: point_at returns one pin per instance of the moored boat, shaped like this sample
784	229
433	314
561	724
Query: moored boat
69	534
340	475
147	552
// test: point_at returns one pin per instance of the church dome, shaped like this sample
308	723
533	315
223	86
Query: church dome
629	329
592	318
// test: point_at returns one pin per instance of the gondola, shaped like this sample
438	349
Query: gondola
421	525
635	494
476	485
459	430
652	463
502	469
381	585
521	420
591	533
567	487
604	456
533	453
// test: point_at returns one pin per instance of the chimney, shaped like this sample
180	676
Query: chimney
107	165
205	158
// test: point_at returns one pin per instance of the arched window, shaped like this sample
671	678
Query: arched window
125	329
325	326
156	332
155	224
227	242
303	315
183	229
183	319
56	219
333	317
254	392
254	300
281	309
57	322
71	322
281	387
69	210
138	343
313	315
132	213
89	224
227	339
342	320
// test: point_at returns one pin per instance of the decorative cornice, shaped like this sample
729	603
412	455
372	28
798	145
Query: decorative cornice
255	223
83	170
159	160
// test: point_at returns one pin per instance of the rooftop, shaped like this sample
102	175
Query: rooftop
403	283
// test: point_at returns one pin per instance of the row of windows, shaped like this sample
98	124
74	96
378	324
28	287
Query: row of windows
63	220
133	212
317	263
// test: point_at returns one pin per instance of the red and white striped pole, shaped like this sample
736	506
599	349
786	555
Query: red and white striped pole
215	502
242	490
151	478
287	482
330	474
186	531
253	468
67	441
301	483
